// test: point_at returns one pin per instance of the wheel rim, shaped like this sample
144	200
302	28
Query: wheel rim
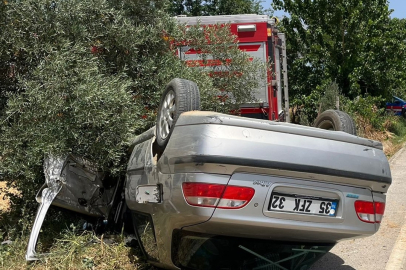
167	114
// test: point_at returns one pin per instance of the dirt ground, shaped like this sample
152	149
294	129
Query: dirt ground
4	203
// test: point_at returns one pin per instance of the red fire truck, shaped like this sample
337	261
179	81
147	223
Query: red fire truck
259	37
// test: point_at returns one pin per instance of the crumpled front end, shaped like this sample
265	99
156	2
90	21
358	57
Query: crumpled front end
75	184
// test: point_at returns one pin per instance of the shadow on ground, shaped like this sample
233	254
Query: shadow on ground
331	261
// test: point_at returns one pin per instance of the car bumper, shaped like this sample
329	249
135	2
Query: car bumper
256	220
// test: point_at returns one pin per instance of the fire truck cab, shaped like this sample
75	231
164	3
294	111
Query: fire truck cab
259	37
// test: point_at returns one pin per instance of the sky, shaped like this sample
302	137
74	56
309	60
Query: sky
399	7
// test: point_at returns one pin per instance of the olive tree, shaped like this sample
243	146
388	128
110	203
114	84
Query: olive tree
86	76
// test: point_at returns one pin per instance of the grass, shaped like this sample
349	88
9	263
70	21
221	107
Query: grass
392	133
69	246
73	251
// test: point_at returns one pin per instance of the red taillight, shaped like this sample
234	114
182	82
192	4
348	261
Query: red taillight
236	197
370	212
379	210
202	194
212	195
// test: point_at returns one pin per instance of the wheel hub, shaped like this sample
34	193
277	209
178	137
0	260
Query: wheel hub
167	114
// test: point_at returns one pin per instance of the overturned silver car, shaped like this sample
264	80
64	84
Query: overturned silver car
214	191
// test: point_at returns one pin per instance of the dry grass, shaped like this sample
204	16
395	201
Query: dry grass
4	202
85	251
67	248
390	141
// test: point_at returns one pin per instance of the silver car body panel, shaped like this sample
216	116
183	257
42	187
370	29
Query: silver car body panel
72	183
267	156
83	190
207	147
209	138
53	167
203	117
256	219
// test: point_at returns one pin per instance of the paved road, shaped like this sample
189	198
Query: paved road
386	250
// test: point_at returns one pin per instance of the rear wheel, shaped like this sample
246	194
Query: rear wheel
336	120
179	96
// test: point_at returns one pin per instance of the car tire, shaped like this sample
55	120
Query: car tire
180	96
336	120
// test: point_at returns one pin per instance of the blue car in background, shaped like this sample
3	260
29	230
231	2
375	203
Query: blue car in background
397	106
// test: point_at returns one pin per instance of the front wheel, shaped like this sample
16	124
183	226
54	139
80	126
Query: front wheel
180	96
336	120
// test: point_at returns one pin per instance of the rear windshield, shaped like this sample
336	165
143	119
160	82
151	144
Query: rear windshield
200	251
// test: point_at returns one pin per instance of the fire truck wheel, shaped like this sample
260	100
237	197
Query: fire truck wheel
179	96
336	120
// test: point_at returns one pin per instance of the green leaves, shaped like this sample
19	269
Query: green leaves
85	76
353	43
215	7
233	76
68	77
70	105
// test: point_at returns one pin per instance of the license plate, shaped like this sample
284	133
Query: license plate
302	204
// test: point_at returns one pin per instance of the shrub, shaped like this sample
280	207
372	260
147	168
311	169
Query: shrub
367	107
84	76
321	99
